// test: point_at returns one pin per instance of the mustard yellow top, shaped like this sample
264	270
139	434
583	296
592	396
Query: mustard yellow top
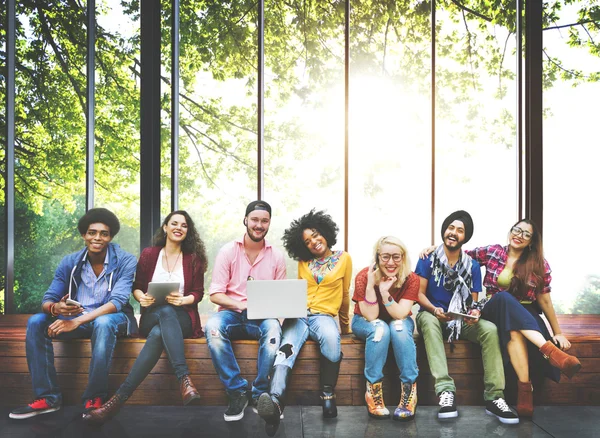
504	278
331	296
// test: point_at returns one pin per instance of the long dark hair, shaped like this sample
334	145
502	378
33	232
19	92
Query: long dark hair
192	244
530	265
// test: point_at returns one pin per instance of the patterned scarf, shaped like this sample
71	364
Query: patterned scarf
457	280
321	267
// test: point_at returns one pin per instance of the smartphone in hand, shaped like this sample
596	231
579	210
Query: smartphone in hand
73	302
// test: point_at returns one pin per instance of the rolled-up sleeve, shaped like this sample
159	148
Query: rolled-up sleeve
221	272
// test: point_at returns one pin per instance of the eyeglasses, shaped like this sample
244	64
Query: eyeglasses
516	231
397	258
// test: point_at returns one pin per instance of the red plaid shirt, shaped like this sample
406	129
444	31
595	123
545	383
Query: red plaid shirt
493	257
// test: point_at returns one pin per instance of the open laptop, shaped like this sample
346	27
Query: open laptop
276	299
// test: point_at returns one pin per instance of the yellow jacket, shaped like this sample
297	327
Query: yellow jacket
331	296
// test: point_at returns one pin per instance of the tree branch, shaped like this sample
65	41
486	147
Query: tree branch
57	52
562	26
471	11
193	140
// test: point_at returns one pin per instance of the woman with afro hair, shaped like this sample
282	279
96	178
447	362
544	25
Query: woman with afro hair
328	274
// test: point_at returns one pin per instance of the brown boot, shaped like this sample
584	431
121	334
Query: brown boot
524	399
189	393
567	364
106	411
374	398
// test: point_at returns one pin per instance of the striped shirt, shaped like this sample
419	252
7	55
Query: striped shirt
93	291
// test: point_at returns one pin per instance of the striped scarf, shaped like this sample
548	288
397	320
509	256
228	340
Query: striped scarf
455	279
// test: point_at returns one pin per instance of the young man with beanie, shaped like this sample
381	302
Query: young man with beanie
451	282
248	258
88	298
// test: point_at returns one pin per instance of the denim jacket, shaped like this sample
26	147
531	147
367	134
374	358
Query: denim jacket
120	273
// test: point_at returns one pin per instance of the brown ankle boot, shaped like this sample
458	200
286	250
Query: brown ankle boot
189	393
106	411
374	398
524	399
567	364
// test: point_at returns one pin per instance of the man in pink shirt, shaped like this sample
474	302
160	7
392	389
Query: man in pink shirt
248	258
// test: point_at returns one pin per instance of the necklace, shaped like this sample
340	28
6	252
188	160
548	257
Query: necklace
169	270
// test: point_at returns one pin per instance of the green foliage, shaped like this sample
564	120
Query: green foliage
304	58
588	299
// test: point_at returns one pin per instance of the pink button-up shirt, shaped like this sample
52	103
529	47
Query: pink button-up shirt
232	269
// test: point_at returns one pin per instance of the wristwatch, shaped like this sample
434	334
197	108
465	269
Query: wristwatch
390	301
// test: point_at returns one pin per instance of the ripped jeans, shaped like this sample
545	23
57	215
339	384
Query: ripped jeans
320	328
227	325
378	335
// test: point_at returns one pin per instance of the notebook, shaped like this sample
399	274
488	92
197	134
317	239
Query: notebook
276	299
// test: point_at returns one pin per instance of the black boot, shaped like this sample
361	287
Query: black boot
329	376
270	406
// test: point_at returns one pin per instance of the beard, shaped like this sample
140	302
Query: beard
253	238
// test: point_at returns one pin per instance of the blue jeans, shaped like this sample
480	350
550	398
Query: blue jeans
164	327
378	335
227	325
320	328
103	332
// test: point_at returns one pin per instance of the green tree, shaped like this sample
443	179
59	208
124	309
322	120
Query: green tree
305	41
588	299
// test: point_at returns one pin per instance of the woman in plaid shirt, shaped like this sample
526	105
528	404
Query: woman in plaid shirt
517	282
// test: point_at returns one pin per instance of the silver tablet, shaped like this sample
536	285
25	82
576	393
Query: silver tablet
160	289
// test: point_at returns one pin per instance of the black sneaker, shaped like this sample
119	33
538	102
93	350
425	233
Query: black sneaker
500	410
36	407
447	405
237	403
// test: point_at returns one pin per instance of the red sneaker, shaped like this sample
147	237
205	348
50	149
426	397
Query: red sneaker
36	407
93	403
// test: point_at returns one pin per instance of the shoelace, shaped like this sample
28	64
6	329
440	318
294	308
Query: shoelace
186	382
377	395
501	405
113	400
447	399
408	396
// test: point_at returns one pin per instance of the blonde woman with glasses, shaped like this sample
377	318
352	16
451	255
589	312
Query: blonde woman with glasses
384	294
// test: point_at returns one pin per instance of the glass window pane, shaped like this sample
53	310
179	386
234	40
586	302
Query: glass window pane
476	157
304	113
571	157
217	167
390	128
117	147
50	144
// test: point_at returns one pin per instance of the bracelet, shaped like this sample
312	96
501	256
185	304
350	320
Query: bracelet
388	304
52	309
372	303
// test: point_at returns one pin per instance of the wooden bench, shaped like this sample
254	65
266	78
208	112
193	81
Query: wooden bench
161	387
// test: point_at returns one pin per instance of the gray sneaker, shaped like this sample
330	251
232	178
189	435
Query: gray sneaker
237	403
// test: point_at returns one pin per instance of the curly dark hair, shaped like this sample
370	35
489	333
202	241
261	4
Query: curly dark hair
314	220
192	244
102	216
